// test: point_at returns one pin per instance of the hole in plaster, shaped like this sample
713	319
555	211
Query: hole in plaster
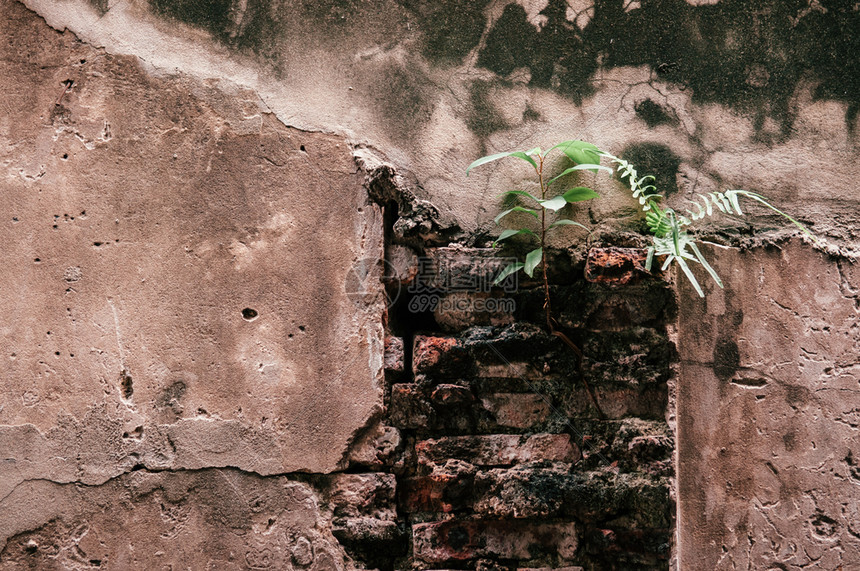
57	353
137	433
249	314
125	384
302	148
14	219
301	327
37	260
97	244
65	156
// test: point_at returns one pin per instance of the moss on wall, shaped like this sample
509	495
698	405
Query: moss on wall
748	55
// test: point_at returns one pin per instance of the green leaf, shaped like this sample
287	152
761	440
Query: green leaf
511	269
689	273
566	222
515	209
583	167
497	156
580	151
520	193
733	197
532	260
761	199
579	193
554	203
511	233
650	258
705	264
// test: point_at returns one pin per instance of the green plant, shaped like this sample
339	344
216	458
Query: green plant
669	228
584	156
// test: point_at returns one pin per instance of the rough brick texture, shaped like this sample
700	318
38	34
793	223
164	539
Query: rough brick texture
507	464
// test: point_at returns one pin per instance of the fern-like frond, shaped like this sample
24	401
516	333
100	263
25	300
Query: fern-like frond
668	227
728	203
640	188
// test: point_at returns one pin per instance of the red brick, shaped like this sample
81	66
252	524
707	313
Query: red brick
462	540
448	395
439	356
616	266
461	309
499	449
524	491
446	489
517	410
647	401
393	356
409	408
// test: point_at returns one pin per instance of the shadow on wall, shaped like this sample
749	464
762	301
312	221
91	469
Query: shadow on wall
748	54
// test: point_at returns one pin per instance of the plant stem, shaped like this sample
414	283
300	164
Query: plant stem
546	302
550	322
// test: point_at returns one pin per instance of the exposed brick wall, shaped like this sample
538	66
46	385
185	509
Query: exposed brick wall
491	453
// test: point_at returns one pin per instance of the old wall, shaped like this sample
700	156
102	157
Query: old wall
192	255
159	313
767	420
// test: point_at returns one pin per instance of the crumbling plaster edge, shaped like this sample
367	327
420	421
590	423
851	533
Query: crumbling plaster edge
193	53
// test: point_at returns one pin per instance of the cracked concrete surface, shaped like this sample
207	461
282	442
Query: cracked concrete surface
207	519
768	414
178	282
179	291
364	71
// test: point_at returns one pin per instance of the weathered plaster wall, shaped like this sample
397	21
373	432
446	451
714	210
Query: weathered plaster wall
768	414
175	277
219	134
759	95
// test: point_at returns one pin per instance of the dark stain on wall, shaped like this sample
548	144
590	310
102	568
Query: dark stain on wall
510	43
483	118
657	160
557	56
101	6
746	54
726	358
654	114
211	15
451	28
